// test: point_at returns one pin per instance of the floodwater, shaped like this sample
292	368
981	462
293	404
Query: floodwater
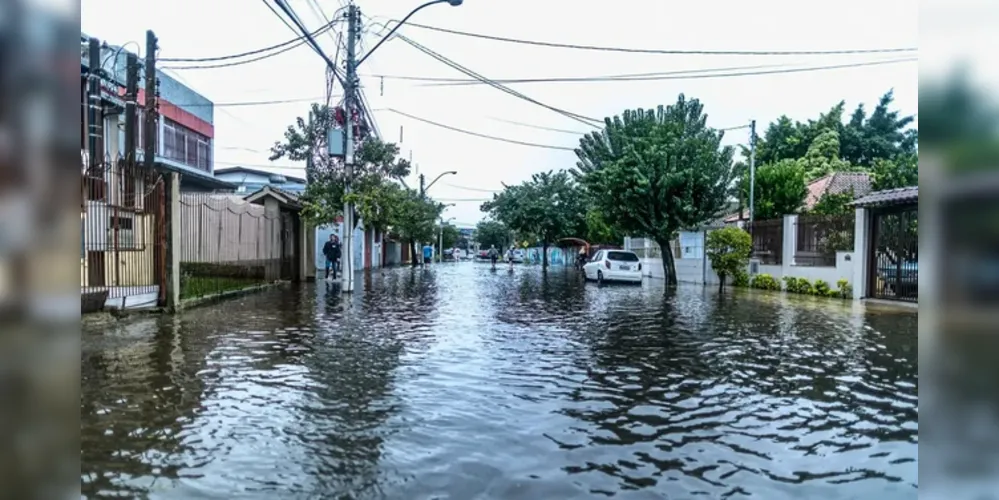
457	382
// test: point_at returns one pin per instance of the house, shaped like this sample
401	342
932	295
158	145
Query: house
185	129
123	260
249	180
834	183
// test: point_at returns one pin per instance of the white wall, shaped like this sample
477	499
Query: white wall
844	268
323	235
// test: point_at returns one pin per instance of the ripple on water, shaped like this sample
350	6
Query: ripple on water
457	382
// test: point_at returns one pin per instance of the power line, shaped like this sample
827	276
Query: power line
472	189
625	76
476	134
577	117
692	77
539	127
662	51
288	45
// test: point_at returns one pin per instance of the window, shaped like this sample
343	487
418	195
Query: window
622	256
186	146
597	257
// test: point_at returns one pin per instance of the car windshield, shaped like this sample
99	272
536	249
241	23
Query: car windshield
622	256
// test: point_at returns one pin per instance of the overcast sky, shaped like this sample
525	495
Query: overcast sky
243	134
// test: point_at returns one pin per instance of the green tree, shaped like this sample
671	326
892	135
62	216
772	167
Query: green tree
548	206
780	189
492	233
415	219
323	198
822	157
450	236
673	173
599	231
728	250
834	204
895	173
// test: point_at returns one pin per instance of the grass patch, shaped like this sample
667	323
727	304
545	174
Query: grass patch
193	287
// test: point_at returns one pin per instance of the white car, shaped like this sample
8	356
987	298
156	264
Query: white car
614	265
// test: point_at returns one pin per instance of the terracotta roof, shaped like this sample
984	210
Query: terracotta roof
895	196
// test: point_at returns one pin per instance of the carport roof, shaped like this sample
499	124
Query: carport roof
898	196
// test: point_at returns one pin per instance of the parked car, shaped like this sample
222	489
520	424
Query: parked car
614	265
519	256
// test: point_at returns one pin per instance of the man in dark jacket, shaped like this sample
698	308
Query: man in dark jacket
332	252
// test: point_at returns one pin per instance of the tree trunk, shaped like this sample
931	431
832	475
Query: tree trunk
669	267
721	282
544	256
412	252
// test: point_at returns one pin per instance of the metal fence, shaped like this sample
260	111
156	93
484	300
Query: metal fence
894	259
819	237
646	248
228	244
123	241
768	240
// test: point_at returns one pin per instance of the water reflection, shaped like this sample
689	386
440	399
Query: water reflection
454	380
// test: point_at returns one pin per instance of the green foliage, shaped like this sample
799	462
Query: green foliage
764	282
654	172
414	218
598	231
823	156
862	139
492	233
822	288
450	236
740	279
549	206
799	285
728	250
833	294
894	173
323	198
780	189
834	204
845	290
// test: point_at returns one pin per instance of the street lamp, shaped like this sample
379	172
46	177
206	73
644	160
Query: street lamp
423	189
350	84
453	3
440	244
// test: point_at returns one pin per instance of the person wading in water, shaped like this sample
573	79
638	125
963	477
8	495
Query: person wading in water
332	252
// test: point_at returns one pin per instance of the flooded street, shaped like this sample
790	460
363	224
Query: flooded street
456	382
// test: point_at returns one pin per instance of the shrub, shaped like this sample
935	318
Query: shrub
741	279
765	282
799	285
835	294
845	289
728	250
822	288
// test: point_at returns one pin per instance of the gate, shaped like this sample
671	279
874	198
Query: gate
123	236
894	254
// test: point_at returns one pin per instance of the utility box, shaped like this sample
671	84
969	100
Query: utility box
335	142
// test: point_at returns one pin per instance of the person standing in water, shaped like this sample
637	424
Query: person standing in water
493	255
331	250
428	254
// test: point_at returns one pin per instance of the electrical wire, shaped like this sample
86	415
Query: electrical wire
625	76
661	51
472	189
476	134
283	45
539	127
690	77
574	116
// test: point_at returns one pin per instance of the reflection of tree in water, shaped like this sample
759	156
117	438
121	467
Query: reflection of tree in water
135	401
354	366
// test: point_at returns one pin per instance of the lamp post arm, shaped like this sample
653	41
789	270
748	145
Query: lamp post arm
390	33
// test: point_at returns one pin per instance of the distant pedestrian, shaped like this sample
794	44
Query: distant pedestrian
331	250
493	255
428	253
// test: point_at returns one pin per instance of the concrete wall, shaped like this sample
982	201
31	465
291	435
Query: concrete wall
844	268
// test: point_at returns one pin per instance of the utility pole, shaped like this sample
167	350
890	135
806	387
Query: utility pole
347	280
95	112
151	106
752	171
423	188
131	116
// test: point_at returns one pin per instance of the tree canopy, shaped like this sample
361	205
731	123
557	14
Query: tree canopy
492	233
323	199
780	189
670	172
548	207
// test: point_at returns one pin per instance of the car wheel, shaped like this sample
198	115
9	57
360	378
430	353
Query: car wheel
600	277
